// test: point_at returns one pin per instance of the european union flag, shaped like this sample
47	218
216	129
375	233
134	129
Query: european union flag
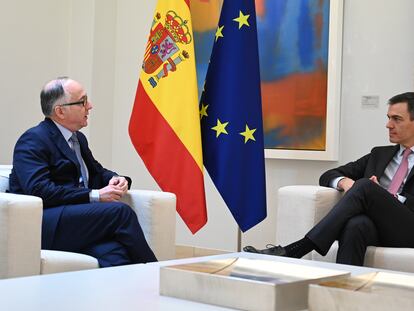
231	115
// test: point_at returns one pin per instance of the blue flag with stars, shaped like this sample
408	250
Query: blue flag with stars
231	115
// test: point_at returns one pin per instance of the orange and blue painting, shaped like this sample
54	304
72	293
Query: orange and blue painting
293	49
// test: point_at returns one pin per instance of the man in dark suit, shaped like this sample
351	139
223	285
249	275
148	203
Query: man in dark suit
378	205
82	211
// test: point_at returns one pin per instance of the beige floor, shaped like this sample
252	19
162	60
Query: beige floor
184	251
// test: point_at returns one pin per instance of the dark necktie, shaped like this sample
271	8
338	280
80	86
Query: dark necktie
76	148
401	173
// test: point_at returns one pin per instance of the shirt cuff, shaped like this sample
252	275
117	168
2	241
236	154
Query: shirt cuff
334	183
94	195
401	198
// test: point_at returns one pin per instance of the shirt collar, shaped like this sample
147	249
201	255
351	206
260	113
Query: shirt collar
402	148
65	132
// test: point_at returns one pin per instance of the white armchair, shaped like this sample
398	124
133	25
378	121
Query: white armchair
20	231
301	207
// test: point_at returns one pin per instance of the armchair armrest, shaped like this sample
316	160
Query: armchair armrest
20	235
300	208
156	215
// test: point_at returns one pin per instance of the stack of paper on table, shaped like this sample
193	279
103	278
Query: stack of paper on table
378	291
244	283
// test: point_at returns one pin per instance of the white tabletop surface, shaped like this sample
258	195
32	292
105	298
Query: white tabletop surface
133	287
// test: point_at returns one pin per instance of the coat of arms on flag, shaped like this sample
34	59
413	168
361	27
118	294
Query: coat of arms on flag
163	52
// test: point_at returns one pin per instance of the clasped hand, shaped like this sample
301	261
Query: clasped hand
116	188
346	183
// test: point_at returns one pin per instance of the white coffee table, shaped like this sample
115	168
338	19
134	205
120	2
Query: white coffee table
133	287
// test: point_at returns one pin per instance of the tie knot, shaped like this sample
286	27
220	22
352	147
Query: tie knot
407	152
74	138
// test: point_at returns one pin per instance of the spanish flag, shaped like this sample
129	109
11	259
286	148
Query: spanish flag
165	122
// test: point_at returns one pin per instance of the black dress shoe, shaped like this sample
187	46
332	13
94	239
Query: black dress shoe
269	250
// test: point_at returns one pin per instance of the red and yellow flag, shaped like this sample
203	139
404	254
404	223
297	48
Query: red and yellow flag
165	123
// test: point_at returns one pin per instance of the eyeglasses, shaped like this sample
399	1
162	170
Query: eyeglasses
83	102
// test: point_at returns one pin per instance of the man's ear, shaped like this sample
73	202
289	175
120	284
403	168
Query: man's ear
59	112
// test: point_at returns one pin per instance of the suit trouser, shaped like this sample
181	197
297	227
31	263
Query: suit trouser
366	215
109	232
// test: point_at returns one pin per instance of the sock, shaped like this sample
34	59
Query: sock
299	248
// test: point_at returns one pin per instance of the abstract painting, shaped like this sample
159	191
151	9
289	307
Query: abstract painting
300	61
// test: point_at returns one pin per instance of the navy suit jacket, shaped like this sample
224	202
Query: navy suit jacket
373	163
45	166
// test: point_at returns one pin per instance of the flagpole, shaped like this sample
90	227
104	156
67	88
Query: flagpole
239	239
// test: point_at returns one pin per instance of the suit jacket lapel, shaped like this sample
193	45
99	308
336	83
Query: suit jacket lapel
60	142
410	175
385	158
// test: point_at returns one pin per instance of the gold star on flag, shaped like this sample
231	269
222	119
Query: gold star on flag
248	134
220	128
242	19
219	32
203	111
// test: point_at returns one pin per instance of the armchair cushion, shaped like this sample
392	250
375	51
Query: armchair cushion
59	261
392	258
300	208
156	214
20	229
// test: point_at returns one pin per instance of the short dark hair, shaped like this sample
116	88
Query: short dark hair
408	98
51	93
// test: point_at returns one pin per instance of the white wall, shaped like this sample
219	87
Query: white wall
101	43
43	39
34	47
